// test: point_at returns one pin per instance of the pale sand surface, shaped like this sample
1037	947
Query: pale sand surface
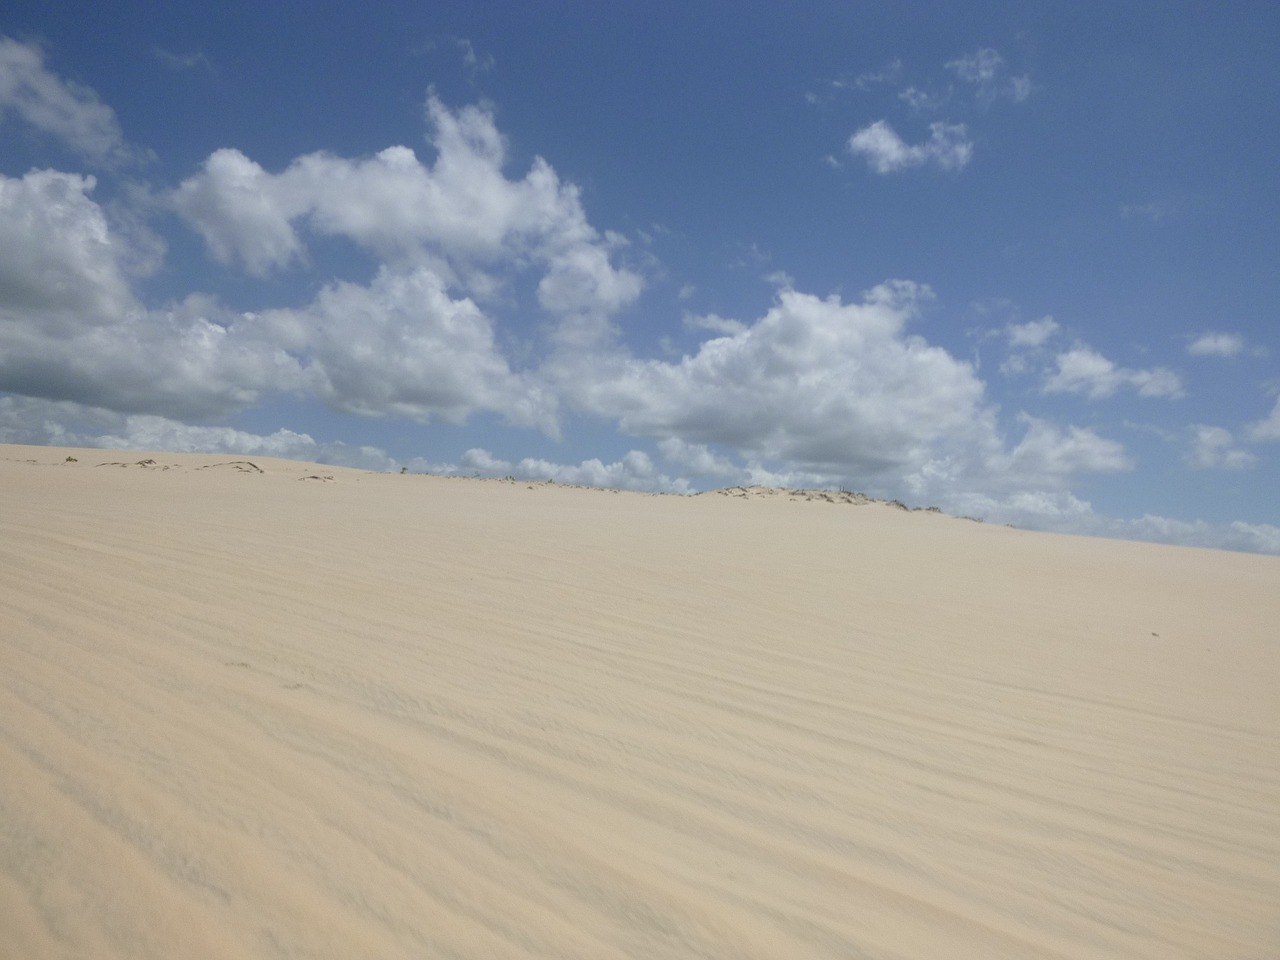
245	714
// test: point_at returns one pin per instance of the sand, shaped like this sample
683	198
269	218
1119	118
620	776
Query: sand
271	709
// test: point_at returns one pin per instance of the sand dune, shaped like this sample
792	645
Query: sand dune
257	708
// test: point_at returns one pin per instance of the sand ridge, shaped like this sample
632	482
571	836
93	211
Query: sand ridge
257	708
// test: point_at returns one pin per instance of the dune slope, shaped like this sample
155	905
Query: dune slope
256	708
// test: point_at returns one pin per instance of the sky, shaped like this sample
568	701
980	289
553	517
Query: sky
1019	261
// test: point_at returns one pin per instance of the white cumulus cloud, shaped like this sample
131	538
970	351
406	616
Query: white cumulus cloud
948	147
1217	345
1032	334
71	328
461	210
1048	454
403	346
241	213
417	340
1085	371
59	262
815	380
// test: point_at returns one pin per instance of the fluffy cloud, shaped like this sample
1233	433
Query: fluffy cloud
461	211
699	461
242	215
59	263
815	380
70	327
948	147
403	346
1046	454
189	361
1026	345
819	392
1217	345
1214	447
1085	371
1032	334
68	111
407	343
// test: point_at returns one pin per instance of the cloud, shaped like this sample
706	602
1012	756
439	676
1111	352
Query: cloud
819	392
920	101
409	343
403	346
236	207
1026	344
1032	334
1236	535
815	380
986	70
1046	455
1217	345
635	471
72	329
67	424
68	111
1213	448
1062	512
1085	371
191	360
461	211
1027	485
1268	428
60	265
947	148
697	460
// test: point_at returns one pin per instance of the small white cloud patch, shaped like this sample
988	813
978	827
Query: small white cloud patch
1214	448
948	148
1032	334
1085	371
986	70
1226	345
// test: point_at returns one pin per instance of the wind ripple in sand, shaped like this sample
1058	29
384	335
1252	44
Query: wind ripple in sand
407	717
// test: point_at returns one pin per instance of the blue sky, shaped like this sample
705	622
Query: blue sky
1016	260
